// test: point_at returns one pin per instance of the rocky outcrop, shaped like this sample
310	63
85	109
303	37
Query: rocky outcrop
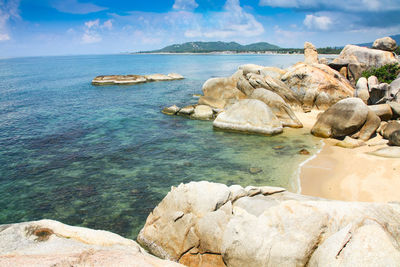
202	112
385	43
267	226
317	85
273	72
310	54
223	88
51	243
134	79
358	59
249	115
346	118
278	106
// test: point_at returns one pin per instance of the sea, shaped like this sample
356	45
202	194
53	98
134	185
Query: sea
104	156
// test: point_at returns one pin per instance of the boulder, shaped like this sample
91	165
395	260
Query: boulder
310	53
395	109
273	72
385	44
267	226
134	79
172	110
394	88
249	115
394	138
372	82
384	111
278	106
389	128
349	142
370	126
344	118
186	111
323	61
212	102
202	112
362	90
51	243
308	82
223	88
244	86
379	94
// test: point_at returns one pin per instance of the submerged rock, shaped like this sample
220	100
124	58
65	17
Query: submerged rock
267	226
186	111
172	110
249	115
51	243
134	79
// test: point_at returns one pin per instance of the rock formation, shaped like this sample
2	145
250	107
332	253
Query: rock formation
51	243
267	226
134	79
385	44
310	54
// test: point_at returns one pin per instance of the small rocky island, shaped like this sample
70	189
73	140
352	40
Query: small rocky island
134	79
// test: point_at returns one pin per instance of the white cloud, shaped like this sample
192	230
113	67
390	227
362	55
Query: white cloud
92	30
344	5
91	37
75	7
185	5
8	11
108	24
92	23
4	37
233	21
313	22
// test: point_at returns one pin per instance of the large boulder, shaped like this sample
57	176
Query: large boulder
278	106
310	54
249	115
274	72
389	128
51	243
267	226
362	90
385	43
384	111
202	112
224	88
344	118
317	85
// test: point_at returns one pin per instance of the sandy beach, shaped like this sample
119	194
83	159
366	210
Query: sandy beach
349	174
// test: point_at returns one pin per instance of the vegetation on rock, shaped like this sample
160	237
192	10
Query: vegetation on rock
385	74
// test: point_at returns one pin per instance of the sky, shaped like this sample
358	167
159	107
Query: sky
71	27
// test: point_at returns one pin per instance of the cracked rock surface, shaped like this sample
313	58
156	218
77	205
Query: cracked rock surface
210	224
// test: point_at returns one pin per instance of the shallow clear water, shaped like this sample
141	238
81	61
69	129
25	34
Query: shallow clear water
103	157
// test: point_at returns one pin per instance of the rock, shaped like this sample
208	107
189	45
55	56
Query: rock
278	106
186	111
212	102
172	110
343	71
309	82
304	152
323	61
244	86
394	88
343	118
389	128
395	109
310	53
379	94
274	85
387	152
384	111
372	82
51	243
394	138
349	142
224	88
134	79
362	90
202	112
273	72
249	115
255	170
385	43
370	126
266	226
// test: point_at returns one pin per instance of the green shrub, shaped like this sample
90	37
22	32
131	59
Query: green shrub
385	74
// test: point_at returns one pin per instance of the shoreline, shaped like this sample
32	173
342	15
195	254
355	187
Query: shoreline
345	174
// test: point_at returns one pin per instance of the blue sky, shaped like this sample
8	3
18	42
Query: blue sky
61	27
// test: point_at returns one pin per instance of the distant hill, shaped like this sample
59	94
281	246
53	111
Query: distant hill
394	37
206	47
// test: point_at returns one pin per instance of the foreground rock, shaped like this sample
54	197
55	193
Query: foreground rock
51	243
267	226
134	79
347	117
310	54
249	115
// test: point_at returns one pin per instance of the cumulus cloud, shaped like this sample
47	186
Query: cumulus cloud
92	30
8	11
76	7
185	5
343	5
233	21
313	22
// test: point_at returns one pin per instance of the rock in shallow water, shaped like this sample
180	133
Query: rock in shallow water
266	226
51	243
134	79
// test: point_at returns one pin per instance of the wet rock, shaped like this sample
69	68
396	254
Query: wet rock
203	112
134	79
186	111
172	110
304	152
249	115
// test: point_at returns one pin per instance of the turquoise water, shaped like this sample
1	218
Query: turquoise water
103	157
